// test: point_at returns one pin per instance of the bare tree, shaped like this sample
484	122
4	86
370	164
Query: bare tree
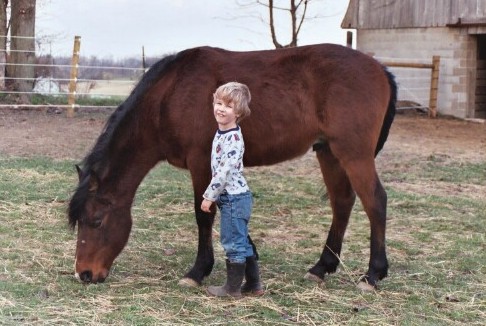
297	13
22	44
296	10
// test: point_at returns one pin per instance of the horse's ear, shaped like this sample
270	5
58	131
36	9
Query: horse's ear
80	172
93	182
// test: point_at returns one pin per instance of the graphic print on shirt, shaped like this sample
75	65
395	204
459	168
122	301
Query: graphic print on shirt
227	164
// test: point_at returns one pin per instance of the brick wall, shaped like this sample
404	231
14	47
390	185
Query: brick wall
457	50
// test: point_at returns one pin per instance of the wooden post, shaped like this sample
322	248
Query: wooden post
434	86
349	39
143	58
73	77
434	79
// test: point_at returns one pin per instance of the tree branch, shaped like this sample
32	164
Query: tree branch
272	26
303	15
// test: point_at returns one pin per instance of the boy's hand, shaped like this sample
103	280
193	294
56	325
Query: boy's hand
206	206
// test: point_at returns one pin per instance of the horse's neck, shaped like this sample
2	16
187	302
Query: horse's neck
127	168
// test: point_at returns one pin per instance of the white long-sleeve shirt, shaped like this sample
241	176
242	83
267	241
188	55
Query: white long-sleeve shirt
227	164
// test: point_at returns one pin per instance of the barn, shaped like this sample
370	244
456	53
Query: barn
417	30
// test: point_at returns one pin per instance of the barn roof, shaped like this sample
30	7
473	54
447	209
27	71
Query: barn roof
385	14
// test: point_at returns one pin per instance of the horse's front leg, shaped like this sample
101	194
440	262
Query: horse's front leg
205	254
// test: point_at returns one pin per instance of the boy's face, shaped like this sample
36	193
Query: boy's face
225	114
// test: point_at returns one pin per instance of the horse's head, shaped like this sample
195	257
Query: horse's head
103	227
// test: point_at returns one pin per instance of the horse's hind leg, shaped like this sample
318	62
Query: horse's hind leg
341	177
342	198
365	182
361	172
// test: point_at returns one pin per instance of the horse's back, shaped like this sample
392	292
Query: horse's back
300	96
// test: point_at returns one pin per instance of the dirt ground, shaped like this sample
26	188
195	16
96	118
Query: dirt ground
48	132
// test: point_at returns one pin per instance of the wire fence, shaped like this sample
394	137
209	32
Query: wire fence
418	82
76	82
54	81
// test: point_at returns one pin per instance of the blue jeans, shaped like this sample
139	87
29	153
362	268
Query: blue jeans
235	215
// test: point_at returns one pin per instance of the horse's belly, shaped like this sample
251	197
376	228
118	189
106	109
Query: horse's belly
275	153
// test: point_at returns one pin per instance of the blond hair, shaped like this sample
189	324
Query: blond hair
238	94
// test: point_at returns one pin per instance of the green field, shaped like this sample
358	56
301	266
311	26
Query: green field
436	248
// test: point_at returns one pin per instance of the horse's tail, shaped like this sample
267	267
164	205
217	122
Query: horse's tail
390	112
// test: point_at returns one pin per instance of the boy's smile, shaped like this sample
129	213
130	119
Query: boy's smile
225	115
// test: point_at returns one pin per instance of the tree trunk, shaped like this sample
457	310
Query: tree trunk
23	45
3	41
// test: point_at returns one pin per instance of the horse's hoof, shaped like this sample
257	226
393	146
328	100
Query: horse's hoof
366	287
311	277
188	282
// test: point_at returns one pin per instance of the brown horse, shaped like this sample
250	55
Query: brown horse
332	98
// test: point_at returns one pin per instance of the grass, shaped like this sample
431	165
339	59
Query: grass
436	246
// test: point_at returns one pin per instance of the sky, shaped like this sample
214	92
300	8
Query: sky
120	28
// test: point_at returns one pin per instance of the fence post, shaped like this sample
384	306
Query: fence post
73	77
434	86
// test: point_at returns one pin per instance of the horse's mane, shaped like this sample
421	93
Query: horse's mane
93	161
99	150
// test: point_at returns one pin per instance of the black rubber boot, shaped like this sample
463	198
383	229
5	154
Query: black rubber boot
253	285
235	273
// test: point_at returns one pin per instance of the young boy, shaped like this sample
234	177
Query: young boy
228	188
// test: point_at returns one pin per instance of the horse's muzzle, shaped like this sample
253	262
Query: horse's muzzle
87	277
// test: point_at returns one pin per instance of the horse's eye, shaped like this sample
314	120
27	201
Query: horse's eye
93	223
97	223
97	220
